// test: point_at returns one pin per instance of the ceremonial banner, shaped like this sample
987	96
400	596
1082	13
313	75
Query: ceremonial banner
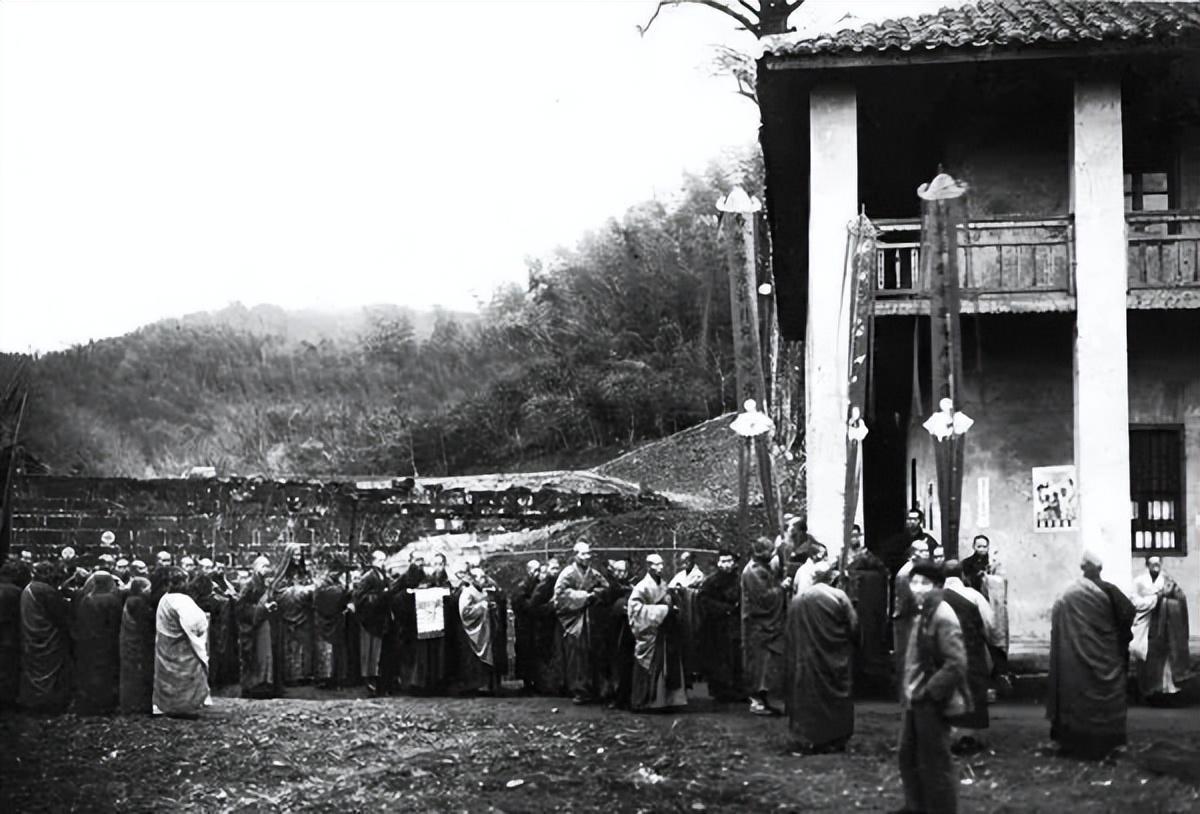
943	210
859	274
431	614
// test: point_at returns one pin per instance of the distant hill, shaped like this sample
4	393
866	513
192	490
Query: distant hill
313	325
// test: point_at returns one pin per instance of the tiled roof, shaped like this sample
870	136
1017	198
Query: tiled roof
992	23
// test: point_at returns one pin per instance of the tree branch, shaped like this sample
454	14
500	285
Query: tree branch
750	25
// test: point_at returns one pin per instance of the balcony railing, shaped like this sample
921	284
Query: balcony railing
994	256
1163	249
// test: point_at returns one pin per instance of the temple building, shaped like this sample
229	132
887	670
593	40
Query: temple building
1076	127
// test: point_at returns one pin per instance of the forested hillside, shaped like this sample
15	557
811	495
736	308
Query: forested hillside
623	337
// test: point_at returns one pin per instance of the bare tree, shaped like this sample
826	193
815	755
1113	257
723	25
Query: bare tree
759	17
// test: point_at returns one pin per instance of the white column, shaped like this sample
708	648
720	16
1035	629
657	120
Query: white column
833	202
1101	350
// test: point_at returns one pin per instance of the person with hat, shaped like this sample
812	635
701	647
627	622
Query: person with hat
577	594
1090	631
933	688
658	677
763	607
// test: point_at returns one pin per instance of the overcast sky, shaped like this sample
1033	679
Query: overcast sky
161	157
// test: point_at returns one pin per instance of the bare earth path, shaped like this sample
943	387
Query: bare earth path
540	754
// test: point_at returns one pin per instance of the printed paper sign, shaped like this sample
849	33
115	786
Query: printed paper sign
1055	499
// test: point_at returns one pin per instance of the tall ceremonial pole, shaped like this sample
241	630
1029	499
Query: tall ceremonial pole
943	211
737	232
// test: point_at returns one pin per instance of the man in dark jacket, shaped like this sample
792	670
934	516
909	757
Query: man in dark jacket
933	688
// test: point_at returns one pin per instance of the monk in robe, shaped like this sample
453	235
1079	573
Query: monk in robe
577	594
1090	631
479	620
45	643
966	734
97	635
137	649
763	610
866	583
658	677
822	630
296	616
618	638
211	594
10	634
259	631
684	586
719	598
398	663
180	652
370	605
524	634
330	602
1160	632
548	633
428	646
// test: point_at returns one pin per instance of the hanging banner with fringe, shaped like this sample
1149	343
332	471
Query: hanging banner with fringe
859	275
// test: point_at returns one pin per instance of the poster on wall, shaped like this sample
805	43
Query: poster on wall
1055	498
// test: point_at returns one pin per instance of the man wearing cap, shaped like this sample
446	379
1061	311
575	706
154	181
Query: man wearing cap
1090	631
137	568
122	573
577	593
658	679
933	688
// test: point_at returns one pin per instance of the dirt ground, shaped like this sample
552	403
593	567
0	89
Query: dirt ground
543	754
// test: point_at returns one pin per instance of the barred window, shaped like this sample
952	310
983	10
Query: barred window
1156	490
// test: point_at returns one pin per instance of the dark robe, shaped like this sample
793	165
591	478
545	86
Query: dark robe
975	643
719	598
45	648
137	655
425	671
658	673
822	630
548	637
763	611
261	641
329	621
867	587
222	632
1089	641
582	618
525	634
296	614
372	613
97	635
619	643
10	642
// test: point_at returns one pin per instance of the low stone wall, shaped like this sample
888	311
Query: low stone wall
231	519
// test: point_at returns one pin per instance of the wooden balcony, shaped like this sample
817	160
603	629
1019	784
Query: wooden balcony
1005	266
1163	259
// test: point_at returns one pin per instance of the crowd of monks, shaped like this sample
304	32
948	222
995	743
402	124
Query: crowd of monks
788	632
